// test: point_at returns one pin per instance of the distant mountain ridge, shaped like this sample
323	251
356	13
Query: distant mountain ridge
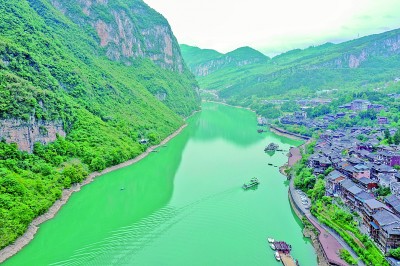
203	62
369	60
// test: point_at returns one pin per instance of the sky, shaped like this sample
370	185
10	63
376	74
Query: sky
274	27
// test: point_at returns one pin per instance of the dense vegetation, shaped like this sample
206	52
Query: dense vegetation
203	62
395	253
346	256
365	62
53	69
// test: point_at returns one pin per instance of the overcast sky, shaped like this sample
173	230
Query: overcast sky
275	26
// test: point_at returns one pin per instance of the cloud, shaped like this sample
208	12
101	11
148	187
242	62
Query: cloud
275	26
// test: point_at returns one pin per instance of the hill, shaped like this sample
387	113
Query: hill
203	62
81	82
366	61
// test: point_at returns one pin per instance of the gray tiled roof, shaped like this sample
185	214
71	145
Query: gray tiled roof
374	204
363	196
384	217
360	167
365	181
392	200
393	228
334	174
347	183
354	190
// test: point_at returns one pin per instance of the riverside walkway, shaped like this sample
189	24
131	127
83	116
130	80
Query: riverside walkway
330	242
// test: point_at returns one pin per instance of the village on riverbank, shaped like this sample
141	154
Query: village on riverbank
350	175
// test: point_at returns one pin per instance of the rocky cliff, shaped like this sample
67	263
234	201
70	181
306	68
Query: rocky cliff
112	61
27	133
127	30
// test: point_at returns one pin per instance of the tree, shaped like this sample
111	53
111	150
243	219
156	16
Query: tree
395	253
383	191
318	190
328	170
97	164
396	137
387	133
345	255
75	171
362	138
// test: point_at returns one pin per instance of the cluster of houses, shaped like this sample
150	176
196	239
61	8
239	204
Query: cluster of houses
351	109
303	103
360	168
300	118
362	105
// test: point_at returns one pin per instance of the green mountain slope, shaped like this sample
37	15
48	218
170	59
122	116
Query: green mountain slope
365	61
203	62
81	82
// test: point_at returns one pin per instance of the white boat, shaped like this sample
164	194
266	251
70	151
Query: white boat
270	240
277	256
272	246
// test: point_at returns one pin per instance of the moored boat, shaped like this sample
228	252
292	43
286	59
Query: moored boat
272	246
272	147
270	240
277	256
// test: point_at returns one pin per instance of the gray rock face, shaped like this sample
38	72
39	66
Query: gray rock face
26	133
127	31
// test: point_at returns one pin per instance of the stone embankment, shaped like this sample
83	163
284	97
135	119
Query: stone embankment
285	133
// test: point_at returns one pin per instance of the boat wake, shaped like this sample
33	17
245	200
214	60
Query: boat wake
122	246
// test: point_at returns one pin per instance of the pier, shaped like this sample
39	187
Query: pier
287	260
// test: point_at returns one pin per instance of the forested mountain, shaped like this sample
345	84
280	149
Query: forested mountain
203	62
368	60
81	82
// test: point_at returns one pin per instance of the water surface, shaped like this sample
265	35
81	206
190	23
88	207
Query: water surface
182	205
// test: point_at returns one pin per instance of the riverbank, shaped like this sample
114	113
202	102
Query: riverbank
28	236
326	243
287	134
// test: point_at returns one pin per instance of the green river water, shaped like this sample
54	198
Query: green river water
183	205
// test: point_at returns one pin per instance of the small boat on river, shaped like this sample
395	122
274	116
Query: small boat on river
270	240
277	256
253	182
272	246
272	147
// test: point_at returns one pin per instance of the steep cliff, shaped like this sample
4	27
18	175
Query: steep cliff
364	61
27	133
127	30
81	83
59	47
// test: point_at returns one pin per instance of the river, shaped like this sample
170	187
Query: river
182	205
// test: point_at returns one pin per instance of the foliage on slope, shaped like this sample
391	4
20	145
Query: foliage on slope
53	69
203	62
364	61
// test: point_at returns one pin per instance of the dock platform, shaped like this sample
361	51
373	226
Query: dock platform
286	259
